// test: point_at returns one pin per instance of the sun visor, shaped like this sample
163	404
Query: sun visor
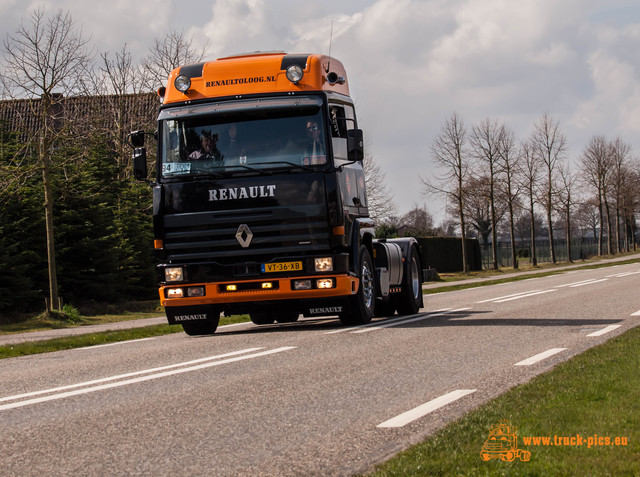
310	102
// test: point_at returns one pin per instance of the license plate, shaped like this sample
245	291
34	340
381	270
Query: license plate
281	267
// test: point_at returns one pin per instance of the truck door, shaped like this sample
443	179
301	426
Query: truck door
351	179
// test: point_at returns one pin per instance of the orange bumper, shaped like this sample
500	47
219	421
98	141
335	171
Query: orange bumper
281	290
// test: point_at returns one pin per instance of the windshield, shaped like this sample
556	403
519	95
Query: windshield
241	140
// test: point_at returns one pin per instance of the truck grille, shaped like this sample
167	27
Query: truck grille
199	236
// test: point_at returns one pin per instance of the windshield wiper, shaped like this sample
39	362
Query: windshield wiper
293	164
249	168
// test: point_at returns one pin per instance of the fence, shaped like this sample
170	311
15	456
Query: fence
580	250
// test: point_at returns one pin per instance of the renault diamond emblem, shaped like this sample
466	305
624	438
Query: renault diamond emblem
244	235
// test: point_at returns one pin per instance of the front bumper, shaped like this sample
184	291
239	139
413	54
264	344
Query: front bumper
253	291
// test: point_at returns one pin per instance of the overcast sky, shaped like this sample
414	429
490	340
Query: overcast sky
411	63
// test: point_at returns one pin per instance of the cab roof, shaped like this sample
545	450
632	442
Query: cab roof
255	73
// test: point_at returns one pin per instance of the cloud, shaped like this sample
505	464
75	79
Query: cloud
411	63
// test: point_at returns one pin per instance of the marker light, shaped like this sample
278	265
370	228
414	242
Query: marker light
267	285
232	288
294	73
182	83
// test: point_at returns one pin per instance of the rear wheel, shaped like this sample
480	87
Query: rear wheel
362	304
409	301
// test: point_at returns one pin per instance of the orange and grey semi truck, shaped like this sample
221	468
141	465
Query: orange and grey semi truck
259	200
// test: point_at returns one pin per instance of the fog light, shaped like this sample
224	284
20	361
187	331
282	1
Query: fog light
324	283
195	291
324	264
173	274
175	293
302	285
232	288
267	285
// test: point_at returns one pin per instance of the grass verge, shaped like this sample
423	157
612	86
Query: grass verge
104	337
492	277
596	393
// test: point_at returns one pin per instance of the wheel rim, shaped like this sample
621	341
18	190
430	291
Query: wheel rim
415	278
367	285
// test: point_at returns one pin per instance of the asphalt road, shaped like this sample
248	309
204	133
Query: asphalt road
309	398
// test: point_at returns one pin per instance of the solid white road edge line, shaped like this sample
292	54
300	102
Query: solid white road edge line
604	330
409	320
524	296
141	379
127	375
576	283
508	296
376	323
113	344
540	357
424	409
589	283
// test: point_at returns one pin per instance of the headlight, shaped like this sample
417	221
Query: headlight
173	274
294	73
324	265
182	83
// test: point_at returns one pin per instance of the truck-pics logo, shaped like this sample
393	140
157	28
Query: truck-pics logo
502	443
235	193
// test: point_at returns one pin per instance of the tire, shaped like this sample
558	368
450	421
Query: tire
202	327
362	304
409	301
287	317
387	308
262	318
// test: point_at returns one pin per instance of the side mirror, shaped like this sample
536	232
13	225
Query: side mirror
140	163
136	139
355	145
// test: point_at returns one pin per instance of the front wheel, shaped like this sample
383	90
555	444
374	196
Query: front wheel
262	318
287	317
195	320
362	304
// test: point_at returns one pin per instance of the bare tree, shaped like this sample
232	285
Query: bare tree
595	165
549	146
121	79
168	53
530	173
449	152
380	201
620	156
510	159
566	202
418	222
485	144
45	60
477	206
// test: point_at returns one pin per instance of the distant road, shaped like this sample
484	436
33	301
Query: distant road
309	398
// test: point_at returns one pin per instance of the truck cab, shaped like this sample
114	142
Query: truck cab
259	200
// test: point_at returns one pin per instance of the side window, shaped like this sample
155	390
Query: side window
338	123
